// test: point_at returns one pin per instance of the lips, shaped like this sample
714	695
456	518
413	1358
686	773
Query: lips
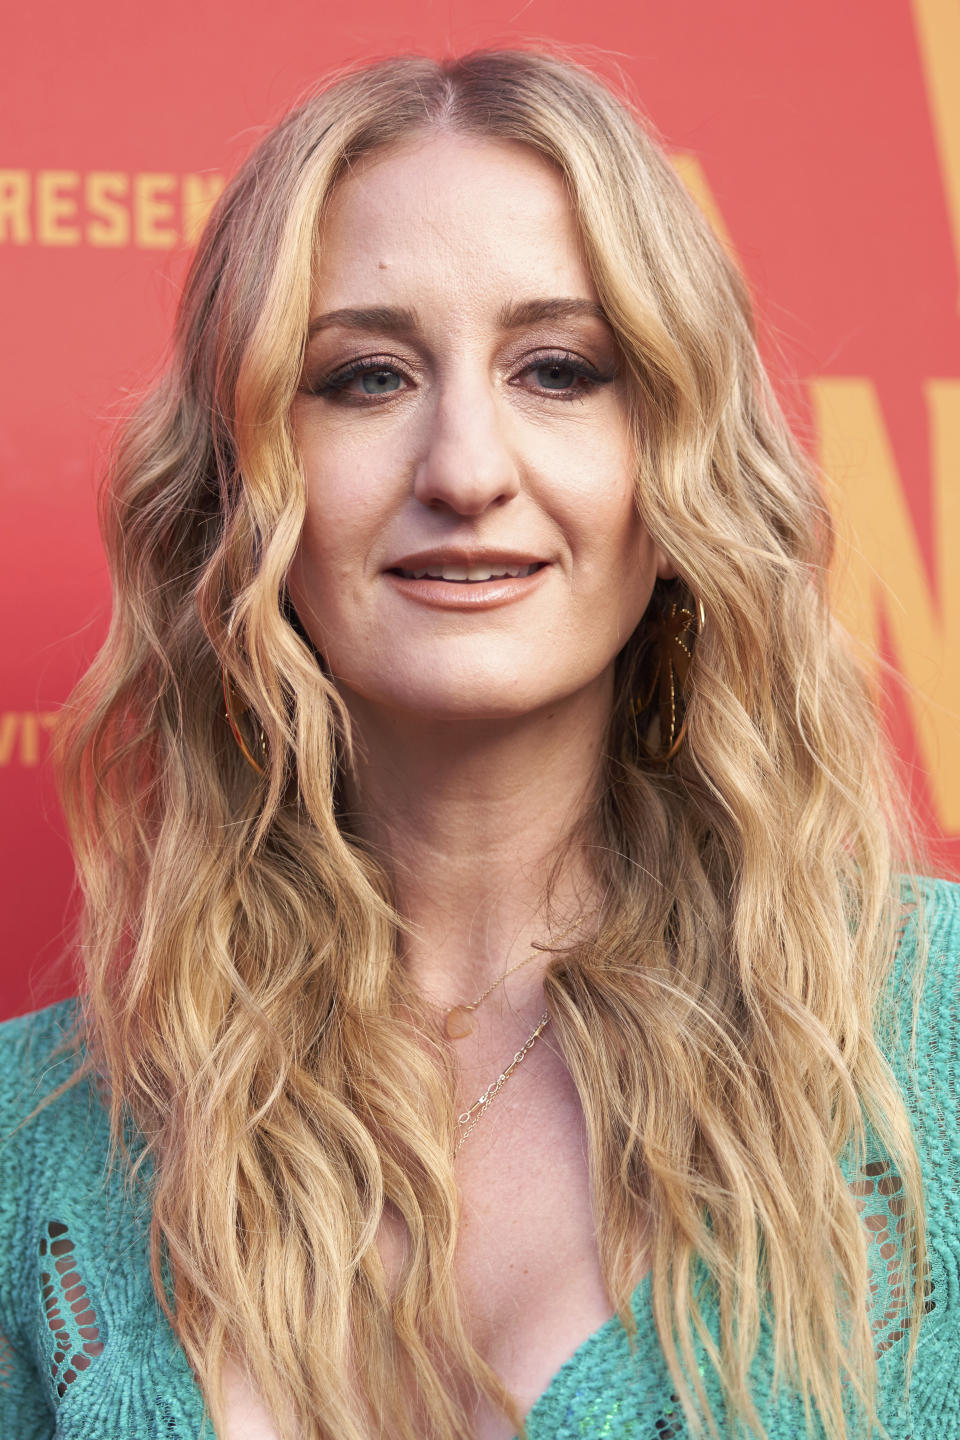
466	567
467	574
467	581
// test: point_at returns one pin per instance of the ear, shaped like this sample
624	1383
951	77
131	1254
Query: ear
665	566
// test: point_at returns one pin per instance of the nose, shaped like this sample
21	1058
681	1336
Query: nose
467	464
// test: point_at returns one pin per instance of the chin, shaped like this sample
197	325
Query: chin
462	707
481	700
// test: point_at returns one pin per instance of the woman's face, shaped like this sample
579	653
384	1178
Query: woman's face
471	546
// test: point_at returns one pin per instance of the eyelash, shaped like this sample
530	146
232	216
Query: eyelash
333	386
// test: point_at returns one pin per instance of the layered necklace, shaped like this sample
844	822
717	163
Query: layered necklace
458	1024
471	1118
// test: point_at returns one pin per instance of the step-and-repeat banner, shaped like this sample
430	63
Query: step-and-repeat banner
823	141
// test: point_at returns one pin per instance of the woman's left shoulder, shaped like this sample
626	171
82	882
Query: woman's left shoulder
931	930
925	1000
939	898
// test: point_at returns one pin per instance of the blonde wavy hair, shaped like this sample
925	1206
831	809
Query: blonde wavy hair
243	989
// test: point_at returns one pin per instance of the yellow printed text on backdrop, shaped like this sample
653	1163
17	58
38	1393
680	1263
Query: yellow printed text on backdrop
148	210
20	736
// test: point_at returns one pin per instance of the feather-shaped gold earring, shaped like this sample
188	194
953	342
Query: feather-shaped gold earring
673	636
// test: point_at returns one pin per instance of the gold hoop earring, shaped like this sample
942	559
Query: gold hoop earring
673	635
233	709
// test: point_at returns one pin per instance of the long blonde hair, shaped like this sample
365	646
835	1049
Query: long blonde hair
243	991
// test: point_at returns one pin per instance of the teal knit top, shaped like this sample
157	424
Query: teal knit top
86	1353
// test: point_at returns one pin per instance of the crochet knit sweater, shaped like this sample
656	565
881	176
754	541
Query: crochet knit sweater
86	1353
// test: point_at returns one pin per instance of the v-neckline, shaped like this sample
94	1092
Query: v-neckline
571	1368
565	1387
558	1384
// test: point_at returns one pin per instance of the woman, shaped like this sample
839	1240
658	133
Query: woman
493	916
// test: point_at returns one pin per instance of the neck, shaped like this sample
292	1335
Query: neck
474	822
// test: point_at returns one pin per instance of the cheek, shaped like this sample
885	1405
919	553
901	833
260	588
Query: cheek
321	570
306	598
354	482
623	557
638	576
343	513
601	507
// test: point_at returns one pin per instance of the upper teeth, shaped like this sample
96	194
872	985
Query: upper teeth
468	572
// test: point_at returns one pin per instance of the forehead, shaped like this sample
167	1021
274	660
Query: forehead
462	219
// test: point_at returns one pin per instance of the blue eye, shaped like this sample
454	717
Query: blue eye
557	374
560	377
379	382
375	378
564	377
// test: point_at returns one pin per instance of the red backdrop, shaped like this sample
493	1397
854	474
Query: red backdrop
823	140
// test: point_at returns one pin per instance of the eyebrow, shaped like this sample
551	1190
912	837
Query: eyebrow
398	320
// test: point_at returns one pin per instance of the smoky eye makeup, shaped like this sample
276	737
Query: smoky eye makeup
389	375
555	371
554	376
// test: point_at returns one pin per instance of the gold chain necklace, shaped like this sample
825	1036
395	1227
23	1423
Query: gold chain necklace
457	1024
469	1120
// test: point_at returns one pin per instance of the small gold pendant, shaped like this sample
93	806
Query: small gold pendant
459	1023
